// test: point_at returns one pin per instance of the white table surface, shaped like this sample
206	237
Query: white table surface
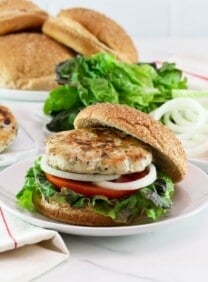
175	253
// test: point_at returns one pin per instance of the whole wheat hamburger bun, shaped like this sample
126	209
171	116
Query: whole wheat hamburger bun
168	153
89	32
27	61
105	29
64	213
75	36
16	15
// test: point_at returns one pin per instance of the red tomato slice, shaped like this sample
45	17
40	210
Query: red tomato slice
90	189
131	177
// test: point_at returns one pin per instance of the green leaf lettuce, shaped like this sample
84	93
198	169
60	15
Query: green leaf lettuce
102	78
152	202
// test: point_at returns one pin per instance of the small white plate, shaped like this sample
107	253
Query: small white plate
24	146
39	114
23	95
191	197
44	119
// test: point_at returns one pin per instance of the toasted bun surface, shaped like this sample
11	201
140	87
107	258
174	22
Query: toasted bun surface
8	127
167	150
16	15
108	36
67	214
27	61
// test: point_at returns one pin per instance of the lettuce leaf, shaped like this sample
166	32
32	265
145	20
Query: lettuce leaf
35	181
152	202
102	78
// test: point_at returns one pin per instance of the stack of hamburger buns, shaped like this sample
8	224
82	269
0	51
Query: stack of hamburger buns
32	42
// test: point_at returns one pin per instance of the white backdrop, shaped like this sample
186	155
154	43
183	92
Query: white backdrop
147	18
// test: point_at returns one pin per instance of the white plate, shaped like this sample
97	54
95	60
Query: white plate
23	95
41	116
190	198
44	119
24	146
201	162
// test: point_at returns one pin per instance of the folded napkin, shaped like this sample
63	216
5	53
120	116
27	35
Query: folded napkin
27	251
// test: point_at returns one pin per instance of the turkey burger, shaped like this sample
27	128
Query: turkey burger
116	167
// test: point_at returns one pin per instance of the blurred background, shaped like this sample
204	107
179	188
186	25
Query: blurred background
147	18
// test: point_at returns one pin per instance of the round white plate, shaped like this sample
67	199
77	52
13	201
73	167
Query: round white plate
45	119
24	146
190	198
41	116
23	95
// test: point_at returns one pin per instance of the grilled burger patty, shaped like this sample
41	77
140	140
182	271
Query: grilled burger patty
8	127
103	151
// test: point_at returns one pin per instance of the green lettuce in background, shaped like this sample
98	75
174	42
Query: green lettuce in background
102	78
152	201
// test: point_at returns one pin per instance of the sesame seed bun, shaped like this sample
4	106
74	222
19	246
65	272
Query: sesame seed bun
65	213
27	61
76	29
74	35
167	150
105	29
16	15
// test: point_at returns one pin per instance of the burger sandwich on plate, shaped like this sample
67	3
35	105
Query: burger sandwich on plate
117	167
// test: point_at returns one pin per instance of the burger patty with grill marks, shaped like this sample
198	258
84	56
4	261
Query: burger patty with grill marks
103	151
8	127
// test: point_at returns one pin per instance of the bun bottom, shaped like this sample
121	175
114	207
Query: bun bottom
65	213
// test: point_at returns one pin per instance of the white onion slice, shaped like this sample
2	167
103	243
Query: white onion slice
172	124
184	118
179	105
188	119
176	103
131	185
75	176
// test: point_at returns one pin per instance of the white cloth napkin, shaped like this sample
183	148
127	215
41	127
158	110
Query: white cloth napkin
27	251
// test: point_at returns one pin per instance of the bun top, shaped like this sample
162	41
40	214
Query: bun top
75	36
106	30
16	15
89	32
168	153
27	61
